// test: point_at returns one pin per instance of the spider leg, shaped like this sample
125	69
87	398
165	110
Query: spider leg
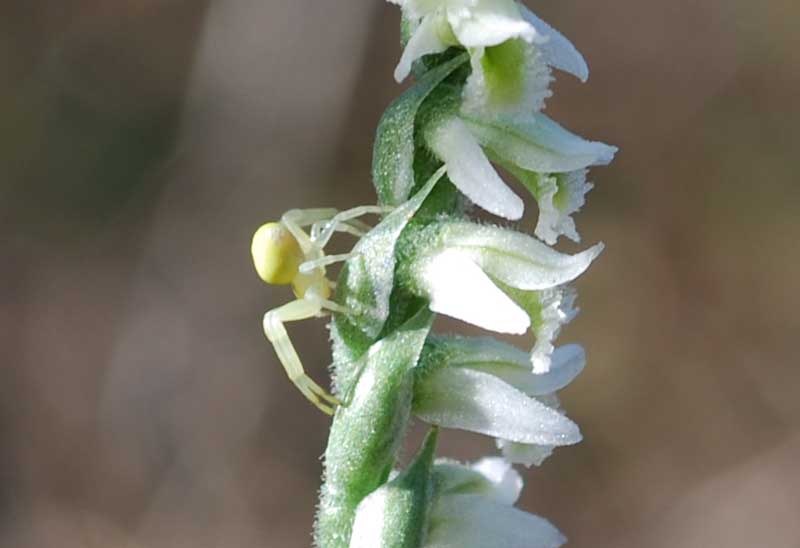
276	333
333	306
347	217
308	266
295	219
354	228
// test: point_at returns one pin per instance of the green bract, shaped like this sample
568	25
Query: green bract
393	155
365	286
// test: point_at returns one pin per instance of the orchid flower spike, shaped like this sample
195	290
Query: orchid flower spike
483	71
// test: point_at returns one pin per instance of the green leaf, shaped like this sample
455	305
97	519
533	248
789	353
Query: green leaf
393	153
368	429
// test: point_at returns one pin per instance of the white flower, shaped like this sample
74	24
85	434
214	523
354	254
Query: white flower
526	146
475	273
468	23
475	509
496	111
486	386
511	50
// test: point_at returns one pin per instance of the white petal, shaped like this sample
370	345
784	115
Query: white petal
535	142
471	521
488	23
424	41
557	49
525	454
458	288
470	170
516	259
479	402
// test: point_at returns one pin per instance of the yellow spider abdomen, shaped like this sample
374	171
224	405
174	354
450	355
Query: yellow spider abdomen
276	254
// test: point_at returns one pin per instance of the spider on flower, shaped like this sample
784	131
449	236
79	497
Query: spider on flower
285	254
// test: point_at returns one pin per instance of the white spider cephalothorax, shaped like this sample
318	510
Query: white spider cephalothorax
285	254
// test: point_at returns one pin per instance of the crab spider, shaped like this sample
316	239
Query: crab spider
285	254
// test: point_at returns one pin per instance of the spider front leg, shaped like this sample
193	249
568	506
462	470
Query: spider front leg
295	219
347	218
300	309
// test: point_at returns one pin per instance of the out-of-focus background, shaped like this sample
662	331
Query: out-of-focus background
141	143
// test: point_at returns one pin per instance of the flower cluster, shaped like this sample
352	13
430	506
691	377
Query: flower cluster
483	70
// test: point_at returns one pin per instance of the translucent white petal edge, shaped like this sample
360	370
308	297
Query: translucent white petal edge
558	50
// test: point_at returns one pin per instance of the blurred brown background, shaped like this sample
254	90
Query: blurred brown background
141	143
